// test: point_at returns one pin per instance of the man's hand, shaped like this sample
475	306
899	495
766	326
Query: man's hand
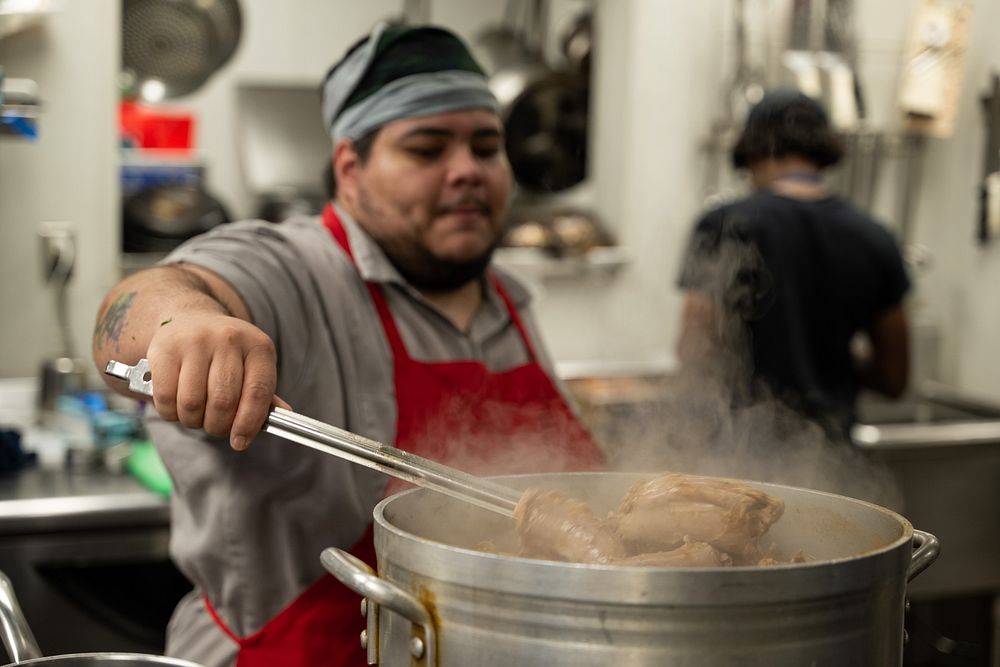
214	372
886	366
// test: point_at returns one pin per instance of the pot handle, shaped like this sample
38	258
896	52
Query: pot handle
360	578
17	637
925	553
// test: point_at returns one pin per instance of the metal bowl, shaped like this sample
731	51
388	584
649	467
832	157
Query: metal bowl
23	649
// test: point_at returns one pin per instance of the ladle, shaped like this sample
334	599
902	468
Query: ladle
357	449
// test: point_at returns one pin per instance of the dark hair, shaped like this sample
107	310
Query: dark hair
363	147
785	123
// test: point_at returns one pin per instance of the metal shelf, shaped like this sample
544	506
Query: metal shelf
600	262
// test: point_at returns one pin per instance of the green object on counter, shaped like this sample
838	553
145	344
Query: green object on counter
145	465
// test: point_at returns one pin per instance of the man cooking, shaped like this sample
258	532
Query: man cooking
778	284
384	317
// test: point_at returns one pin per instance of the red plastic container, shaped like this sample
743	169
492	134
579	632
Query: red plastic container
149	127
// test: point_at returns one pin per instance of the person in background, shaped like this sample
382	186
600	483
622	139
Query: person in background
384	316
778	285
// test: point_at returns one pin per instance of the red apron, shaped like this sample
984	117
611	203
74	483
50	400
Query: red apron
457	412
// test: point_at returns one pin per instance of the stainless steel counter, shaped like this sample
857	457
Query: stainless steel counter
49	500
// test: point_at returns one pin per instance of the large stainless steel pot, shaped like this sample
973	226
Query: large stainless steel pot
438	600
23	649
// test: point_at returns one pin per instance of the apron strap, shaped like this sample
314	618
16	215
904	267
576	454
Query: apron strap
219	622
336	228
515	318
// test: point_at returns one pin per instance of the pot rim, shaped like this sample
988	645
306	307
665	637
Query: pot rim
111	656
643	584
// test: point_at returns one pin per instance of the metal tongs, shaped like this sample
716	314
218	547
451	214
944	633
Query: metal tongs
357	449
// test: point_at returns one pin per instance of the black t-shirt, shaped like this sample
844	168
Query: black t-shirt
803	277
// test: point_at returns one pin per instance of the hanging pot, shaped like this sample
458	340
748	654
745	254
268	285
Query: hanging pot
544	111
159	218
171	47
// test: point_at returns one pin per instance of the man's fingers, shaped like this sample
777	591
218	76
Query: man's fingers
225	384
192	386
279	402
259	380
164	370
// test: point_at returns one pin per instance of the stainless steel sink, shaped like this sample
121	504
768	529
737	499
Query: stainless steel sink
943	447
930	403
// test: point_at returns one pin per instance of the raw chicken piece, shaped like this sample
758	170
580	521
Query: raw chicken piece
691	554
657	515
557	527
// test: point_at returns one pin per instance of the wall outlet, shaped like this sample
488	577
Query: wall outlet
58	247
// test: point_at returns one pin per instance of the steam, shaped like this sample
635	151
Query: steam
495	437
714	418
695	429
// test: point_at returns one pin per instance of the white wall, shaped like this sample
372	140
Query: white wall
661	65
961	290
953	298
657	81
69	174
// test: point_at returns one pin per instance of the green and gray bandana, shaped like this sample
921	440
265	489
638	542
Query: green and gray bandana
401	72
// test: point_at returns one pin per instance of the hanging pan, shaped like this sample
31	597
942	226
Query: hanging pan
172	47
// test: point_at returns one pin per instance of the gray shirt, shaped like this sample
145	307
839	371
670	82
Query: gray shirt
248	527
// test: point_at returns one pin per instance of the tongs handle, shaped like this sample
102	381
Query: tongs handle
357	449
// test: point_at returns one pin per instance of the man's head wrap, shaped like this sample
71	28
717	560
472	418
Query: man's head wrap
401	72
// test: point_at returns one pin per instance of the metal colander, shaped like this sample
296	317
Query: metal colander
179	43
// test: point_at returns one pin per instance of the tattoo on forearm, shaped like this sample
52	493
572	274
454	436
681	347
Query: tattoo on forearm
112	321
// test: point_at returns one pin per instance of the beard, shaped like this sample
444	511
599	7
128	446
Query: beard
429	273
415	261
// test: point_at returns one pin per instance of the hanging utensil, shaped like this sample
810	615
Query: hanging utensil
821	58
357	449
989	192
